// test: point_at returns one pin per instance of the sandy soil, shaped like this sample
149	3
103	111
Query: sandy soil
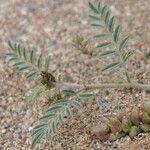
49	26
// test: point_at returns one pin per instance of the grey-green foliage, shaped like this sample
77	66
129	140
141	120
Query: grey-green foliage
29	63
32	67
103	20
26	61
55	114
36	91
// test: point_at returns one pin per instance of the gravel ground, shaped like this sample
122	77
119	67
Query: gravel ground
49	26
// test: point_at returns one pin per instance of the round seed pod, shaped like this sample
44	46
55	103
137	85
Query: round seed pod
145	107
145	127
100	130
134	131
145	118
115	125
121	115
126	125
135	116
114	137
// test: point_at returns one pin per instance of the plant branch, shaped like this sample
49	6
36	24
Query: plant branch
105	85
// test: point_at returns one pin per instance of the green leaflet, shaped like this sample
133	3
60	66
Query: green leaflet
53	127
12	58
107	17
110	66
77	104
11	46
68	111
99	7
111	24
97	25
103	11
19	50
116	33
85	95
127	55
40	126
123	43
32	56
69	92
37	131
47	116
93	8
108	53
18	64
47	61
104	45
24	54
61	101
36	139
54	108
39	62
94	17
103	35
60	118
10	54
24	68
31	75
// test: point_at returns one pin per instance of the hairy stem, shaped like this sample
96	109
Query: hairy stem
105	85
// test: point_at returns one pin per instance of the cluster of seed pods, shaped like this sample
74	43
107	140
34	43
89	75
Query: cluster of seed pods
124	124
83	44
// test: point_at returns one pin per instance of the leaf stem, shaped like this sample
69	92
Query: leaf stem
105	85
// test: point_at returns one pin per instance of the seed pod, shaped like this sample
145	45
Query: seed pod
121	115
135	116
126	125
116	136
145	127
145	118
134	131
115	125
100	130
145	107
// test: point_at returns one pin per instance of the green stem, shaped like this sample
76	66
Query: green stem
105	85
